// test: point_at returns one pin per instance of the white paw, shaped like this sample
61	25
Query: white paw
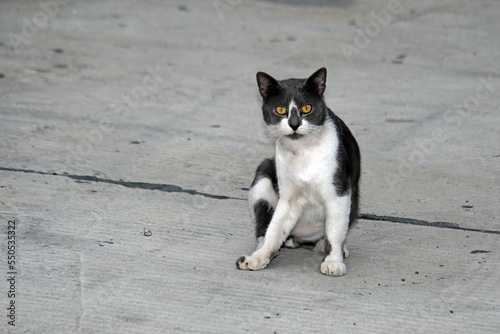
251	263
333	268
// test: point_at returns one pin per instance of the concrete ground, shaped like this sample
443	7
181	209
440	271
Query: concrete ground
130	132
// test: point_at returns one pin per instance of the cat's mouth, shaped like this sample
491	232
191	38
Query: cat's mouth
295	136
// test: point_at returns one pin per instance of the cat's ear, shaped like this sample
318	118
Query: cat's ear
267	84
317	81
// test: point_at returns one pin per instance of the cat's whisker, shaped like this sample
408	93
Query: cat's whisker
274	134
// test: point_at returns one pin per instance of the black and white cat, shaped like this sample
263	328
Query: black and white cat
308	193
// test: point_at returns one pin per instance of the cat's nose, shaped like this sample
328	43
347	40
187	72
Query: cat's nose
294	122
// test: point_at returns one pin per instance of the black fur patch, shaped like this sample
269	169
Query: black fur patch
267	168
347	175
240	260
263	215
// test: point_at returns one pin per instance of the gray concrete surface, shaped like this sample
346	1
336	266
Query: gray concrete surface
130	132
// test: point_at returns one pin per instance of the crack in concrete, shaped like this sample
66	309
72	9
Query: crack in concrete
169	188
176	189
410	221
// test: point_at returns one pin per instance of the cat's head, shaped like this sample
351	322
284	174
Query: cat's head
293	108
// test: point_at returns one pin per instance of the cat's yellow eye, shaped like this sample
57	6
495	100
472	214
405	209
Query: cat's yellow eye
306	109
281	110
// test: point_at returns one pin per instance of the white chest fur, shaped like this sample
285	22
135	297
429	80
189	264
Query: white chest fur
305	169
309	161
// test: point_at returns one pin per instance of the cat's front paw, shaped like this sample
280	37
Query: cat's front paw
333	268
251	263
